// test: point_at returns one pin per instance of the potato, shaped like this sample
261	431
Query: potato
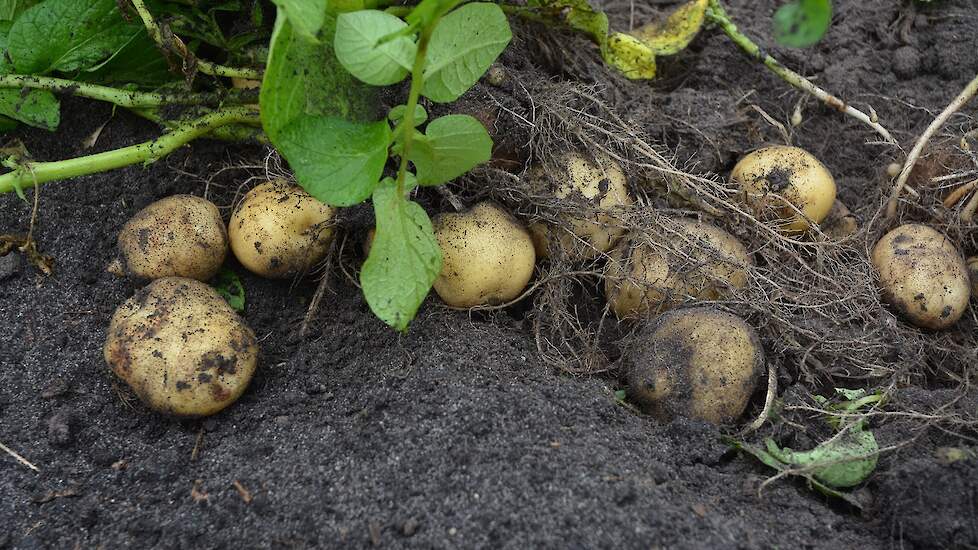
181	348
700	363
840	222
179	236
787	180
487	256
280	231
645	276
922	275
973	274
579	181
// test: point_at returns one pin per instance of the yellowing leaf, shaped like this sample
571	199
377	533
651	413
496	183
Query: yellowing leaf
630	56
676	32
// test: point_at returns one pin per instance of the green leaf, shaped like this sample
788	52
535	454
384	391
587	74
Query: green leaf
463	46
677	31
802	23
578	15
630	56
451	146
38	108
397	113
10	9
139	62
304	78
69	35
404	258
337	161
306	16
358	47
228	285
843	461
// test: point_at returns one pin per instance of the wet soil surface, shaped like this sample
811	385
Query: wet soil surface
453	435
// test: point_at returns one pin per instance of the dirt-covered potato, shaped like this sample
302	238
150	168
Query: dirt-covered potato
700	363
487	256
596	185
973	274
840	222
689	258
181	348
922	275
280	231
790	181
179	236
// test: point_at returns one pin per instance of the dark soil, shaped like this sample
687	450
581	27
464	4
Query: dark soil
454	435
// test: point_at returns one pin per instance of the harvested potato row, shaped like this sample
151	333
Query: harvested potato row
922	275
487	256
179	236
181	348
700	363
597	185
690	258
789	181
280	231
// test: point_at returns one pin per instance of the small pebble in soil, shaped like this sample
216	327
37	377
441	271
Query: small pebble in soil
410	527
906	62
59	429
56	387
10	265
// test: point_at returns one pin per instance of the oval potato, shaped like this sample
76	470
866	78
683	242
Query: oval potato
922	275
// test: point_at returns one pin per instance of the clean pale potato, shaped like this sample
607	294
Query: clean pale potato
181	348
790	181
487	256
280	231
840	222
577	180
689	258
699	363
922	275
179	236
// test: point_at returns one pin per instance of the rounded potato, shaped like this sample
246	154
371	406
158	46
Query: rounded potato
280	231
179	236
181	348
645	276
487	256
700	363
597	185
922	275
789	180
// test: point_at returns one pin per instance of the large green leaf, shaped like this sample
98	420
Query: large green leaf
69	35
10	9
337	161
463	46
404	258
802	23
306	16
358	49
451	146
38	108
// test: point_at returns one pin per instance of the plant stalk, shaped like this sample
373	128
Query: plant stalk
31	173
122	98
406	127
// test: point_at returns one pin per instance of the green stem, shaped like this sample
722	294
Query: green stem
406	127
173	43
717	14
122	98
29	173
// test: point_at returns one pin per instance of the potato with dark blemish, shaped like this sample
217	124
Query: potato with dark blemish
700	363
181	348
280	231
487	256
179	236
787	182
922	275
688	258
598	185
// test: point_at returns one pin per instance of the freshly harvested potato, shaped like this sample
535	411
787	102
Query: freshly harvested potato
179	236
487	256
840	222
923	276
789	180
181	348
597	185
689	258
280	231
701	363
973	274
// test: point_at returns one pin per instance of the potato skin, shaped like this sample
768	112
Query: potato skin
280	231
181	348
701	363
972	263
597	185
922	275
487	256
178	236
644	277
773	175
840	223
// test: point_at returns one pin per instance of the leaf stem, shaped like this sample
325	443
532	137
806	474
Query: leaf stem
718	15
170	42
122	98
406	128
30	173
